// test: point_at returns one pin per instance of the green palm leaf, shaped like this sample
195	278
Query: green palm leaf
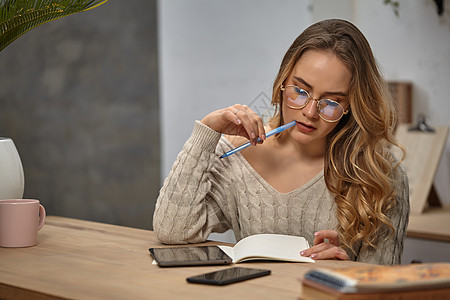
18	17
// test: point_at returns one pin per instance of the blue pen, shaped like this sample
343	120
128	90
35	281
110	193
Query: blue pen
270	133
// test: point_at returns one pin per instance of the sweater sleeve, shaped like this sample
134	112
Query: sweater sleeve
192	202
390	247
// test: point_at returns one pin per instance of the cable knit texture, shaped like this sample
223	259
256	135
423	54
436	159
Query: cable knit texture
205	194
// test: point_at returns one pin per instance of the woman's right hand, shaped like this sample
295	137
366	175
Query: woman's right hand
236	120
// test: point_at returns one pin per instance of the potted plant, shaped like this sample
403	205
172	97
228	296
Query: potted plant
16	18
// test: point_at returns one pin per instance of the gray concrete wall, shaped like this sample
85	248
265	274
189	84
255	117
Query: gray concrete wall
79	97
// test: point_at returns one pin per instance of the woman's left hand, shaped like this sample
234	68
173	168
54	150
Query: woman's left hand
326	249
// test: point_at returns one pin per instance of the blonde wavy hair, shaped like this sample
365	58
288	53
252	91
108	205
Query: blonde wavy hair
359	166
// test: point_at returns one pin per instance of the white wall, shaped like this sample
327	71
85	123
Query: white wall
217	53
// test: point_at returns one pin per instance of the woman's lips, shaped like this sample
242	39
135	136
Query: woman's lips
305	128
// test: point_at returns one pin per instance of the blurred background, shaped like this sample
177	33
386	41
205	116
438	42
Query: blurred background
100	103
79	98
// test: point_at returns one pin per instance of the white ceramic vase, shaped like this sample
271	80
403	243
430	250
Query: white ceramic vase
11	171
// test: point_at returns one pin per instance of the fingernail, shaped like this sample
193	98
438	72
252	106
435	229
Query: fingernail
316	233
313	255
253	138
238	121
263	137
302	253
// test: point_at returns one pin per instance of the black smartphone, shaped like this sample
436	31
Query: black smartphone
228	276
190	256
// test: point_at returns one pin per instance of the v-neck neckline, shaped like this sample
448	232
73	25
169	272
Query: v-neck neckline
263	181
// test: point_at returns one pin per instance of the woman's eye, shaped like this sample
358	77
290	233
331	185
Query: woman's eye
301	91
298	90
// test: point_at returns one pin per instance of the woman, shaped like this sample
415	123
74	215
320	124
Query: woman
331	178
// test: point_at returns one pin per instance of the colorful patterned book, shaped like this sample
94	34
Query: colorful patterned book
373	279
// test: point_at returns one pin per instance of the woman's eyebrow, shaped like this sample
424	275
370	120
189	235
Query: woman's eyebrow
304	82
301	80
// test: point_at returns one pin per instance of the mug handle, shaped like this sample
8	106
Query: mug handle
42	215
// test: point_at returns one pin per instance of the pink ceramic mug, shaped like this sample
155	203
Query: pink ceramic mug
20	220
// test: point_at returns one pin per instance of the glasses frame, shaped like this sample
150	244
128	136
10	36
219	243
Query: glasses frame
344	112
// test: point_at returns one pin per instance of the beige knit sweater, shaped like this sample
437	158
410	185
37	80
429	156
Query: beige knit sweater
205	194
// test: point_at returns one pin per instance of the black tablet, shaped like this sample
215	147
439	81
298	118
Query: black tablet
190	256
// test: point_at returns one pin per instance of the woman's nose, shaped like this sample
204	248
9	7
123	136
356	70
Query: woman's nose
310	110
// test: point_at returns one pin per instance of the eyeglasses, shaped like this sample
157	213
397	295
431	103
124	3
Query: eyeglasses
297	98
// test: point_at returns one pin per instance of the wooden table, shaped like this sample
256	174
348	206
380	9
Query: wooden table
432	224
78	259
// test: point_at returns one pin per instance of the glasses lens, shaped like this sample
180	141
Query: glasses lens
296	97
330	110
